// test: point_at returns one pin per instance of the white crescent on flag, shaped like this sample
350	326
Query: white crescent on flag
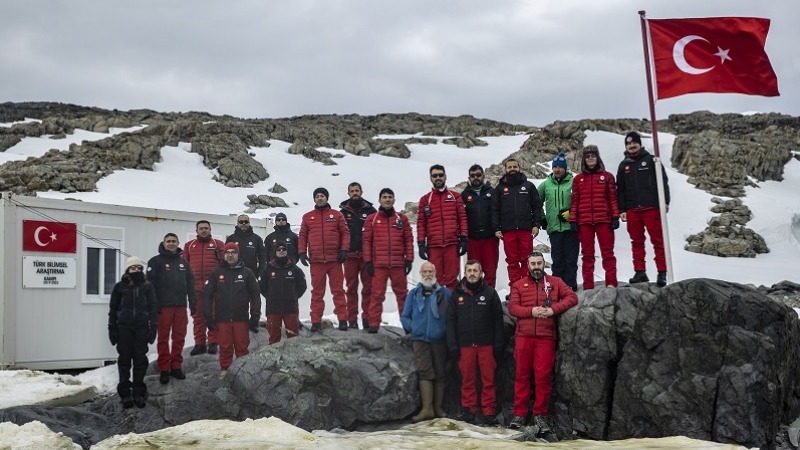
39	241
680	58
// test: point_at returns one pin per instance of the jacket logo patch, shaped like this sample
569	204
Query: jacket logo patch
330	216
180	265
249	243
460	300
364	215
289	273
288	239
312	217
166	266
379	221
222	278
489	194
469	198
525	285
505	190
522	188
644	163
272	274
240	276
274	241
483	298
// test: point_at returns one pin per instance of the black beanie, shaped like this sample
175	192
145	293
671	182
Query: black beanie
321	190
633	137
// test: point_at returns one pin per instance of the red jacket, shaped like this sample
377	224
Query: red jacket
594	198
447	221
387	241
526	293
203	258
323	234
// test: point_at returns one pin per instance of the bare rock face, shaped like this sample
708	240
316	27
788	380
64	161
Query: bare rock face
465	142
277	189
228	153
266	201
301	148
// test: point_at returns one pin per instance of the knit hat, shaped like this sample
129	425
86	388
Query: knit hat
560	161
133	261
591	149
231	246
281	216
321	190
633	137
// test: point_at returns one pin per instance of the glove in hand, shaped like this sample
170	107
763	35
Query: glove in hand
342	256
151	336
409	264
113	335
564	215
614	223
462	247
304	258
423	251
370	268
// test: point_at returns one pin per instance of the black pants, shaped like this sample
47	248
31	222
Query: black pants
564	246
132	348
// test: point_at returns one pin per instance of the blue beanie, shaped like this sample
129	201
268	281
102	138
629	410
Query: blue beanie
560	161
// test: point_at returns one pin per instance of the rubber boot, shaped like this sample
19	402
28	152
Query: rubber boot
426	394
438	399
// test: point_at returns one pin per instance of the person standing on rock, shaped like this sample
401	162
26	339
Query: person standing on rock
132	324
595	212
535	301
388	255
173	282
204	255
442	228
282	283
483	244
424	316
283	234
556	194
250	244
475	338
231	305
516	217
637	194
355	210
325	241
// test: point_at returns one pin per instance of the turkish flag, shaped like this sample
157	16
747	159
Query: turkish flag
40	236
720	54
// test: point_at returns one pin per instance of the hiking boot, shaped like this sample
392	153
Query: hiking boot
517	422
127	402
139	401
353	324
508	297
541	423
373	330
466	416
213	349
198	350
316	327
222	374
164	377
177	374
639	277
342	325
490	420
365	324
661	279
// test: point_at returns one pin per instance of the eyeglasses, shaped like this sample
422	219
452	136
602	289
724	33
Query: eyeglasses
437	175
135	269
244	221
475	175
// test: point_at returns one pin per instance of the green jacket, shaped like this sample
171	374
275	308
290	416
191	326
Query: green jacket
556	197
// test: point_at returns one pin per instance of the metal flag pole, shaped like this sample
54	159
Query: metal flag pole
662	204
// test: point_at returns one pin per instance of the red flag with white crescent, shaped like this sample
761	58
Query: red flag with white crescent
41	236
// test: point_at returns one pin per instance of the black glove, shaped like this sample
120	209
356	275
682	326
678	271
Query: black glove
254	325
462	246
210	324
304	258
342	256
544	224
192	310
370	268
573	227
423	250
614	223
151	336
113	334
409	264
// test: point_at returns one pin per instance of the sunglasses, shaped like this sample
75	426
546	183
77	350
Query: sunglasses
135	269
590	155
475	175
280	249
244	221
280	220
437	175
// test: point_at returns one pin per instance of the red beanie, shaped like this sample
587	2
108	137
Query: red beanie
231	246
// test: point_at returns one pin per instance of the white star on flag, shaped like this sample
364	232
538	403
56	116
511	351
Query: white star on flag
723	55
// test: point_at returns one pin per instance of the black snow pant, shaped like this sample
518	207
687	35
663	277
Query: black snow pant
565	247
132	347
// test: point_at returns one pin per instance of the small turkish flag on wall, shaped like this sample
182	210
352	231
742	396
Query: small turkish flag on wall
719	54
40	236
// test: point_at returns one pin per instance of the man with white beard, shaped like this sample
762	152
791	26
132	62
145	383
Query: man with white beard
424	316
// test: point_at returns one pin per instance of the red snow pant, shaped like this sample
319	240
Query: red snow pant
399	287
445	259
487	252
233	337
200	323
333	272
484	357
517	244
605	237
274	321
638	220
537	355
171	319
353	269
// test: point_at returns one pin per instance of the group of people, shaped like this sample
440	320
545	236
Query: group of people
360	246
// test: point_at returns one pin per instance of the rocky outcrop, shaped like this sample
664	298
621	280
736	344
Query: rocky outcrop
277	189
465	142
726	235
256	202
302	148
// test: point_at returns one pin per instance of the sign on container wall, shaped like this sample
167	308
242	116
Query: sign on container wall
49	272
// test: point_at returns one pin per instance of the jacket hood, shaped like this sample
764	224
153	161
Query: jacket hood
346	204
462	286
164	252
238	231
274	263
486	186
515	180
282	228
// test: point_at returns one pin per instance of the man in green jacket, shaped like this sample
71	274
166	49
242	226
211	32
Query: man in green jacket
556	193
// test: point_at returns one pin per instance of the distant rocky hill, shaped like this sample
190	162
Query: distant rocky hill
719	152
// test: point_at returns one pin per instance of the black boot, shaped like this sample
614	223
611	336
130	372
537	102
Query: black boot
177	374
213	349
353	324
365	324
316	327
198	350
661	279
639	277
372	330
127	402
164	377
140	401
342	325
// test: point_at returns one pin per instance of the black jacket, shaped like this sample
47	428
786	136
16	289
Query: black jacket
285	235
251	248
479	211
474	318
355	221
132	305
636	182
232	294
516	204
282	286
172	278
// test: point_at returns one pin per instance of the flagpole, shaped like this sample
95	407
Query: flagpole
662	204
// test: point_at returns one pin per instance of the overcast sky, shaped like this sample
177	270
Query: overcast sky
528	61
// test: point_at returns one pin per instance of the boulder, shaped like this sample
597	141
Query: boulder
277	189
265	201
301	148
